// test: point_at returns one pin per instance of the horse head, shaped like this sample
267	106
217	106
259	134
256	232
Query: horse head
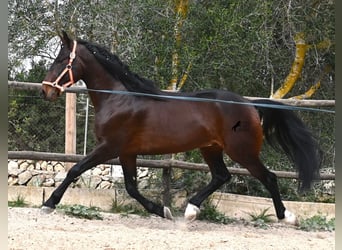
64	71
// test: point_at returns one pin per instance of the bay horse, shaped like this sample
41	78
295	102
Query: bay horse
130	125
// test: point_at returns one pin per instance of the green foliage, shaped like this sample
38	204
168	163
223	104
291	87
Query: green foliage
34	124
80	211
210	213
192	156
126	209
261	219
189	180
317	223
38	125
288	188
243	46
31	127
18	202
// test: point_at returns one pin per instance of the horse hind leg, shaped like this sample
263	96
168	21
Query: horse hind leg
214	158
244	148
269	180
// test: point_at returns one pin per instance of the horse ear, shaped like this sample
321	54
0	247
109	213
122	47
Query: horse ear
66	40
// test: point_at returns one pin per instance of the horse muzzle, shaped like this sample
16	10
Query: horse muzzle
50	93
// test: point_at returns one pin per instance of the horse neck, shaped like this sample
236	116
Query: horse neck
97	78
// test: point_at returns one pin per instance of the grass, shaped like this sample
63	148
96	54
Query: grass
18	202
210	213
317	223
261	219
127	209
91	213
80	211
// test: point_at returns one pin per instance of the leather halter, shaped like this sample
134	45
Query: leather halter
68	69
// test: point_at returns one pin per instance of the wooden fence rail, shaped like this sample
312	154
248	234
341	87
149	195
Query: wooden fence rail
164	164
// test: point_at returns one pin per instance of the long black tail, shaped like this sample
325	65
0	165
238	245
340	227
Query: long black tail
286	128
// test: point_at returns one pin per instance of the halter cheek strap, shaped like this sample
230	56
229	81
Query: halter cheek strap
68	69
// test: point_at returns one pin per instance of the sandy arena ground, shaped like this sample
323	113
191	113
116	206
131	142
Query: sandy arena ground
29	229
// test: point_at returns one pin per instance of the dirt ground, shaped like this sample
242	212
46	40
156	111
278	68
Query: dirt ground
28	228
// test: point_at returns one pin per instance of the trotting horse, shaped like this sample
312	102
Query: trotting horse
130	125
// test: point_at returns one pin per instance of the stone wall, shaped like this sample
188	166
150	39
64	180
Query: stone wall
51	174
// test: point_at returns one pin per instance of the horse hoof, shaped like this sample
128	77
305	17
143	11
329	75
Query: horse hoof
167	213
290	218
46	210
191	212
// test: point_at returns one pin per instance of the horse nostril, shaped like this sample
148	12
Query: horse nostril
42	94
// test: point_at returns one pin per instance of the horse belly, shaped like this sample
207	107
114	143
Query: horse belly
171	139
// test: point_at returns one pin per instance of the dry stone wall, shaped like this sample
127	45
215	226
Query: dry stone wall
51	174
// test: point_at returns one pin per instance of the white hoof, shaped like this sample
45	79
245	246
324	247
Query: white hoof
46	210
191	212
290	218
167	213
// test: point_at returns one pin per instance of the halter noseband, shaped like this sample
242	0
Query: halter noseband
68	69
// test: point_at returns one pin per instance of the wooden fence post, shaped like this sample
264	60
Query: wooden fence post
166	176
70	126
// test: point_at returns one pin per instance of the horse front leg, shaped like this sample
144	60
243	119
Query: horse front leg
97	156
129	169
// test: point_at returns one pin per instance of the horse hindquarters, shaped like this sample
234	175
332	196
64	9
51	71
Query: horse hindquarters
243	144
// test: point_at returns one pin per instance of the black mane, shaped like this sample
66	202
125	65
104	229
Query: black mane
120	71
